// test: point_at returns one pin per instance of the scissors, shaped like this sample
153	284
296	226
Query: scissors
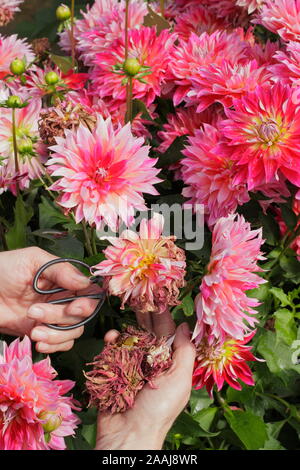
94	279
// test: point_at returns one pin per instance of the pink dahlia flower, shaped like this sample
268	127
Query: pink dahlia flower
222	303
8	8
186	121
101	25
149	49
223	361
224	82
209	176
281	17
147	270
11	48
31	152
198	20
102	173
264	132
190	59
228	10
286	68
34	414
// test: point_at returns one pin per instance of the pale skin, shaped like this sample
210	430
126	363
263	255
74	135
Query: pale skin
23	312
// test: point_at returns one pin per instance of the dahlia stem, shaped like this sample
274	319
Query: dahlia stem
72	33
2	237
87	240
129	93
94	247
15	147
162	7
126	28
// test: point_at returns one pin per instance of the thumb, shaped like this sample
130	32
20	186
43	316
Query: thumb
184	351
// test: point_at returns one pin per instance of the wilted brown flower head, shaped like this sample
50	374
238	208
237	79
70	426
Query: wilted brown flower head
65	115
122	369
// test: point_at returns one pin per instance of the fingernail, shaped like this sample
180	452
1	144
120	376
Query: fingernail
39	335
35	312
185	329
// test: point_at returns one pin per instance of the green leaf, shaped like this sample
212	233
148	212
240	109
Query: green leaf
270	228
16	237
276	353
89	432
139	107
62	62
288	216
188	305
174	153
291	266
285	326
49	214
206	417
153	19
249	428
185	425
61	244
281	296
273	430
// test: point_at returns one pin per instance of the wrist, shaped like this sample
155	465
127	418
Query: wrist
129	437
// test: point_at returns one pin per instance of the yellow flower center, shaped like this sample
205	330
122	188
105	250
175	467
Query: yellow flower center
146	261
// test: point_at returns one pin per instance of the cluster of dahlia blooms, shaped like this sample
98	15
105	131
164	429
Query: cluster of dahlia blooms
34	413
93	130
123	368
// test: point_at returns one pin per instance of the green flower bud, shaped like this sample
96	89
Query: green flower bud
63	12
51	421
131	66
17	67
51	78
13	101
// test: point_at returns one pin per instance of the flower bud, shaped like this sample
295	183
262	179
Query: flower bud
63	12
17	67
13	101
50	421
131	66
25	146
51	78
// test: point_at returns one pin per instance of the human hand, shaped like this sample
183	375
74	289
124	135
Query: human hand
146	424
23	311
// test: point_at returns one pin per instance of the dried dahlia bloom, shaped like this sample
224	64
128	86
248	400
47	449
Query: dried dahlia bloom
275	190
122	369
228	10
102	174
197	19
145	270
8	8
174	8
27	135
222	303
250	5
223	361
191	58
34	413
11	48
40	46
225	82
149	49
186	121
263	132
54	121
209	175
281	17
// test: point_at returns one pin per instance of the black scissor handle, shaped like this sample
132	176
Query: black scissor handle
101	295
